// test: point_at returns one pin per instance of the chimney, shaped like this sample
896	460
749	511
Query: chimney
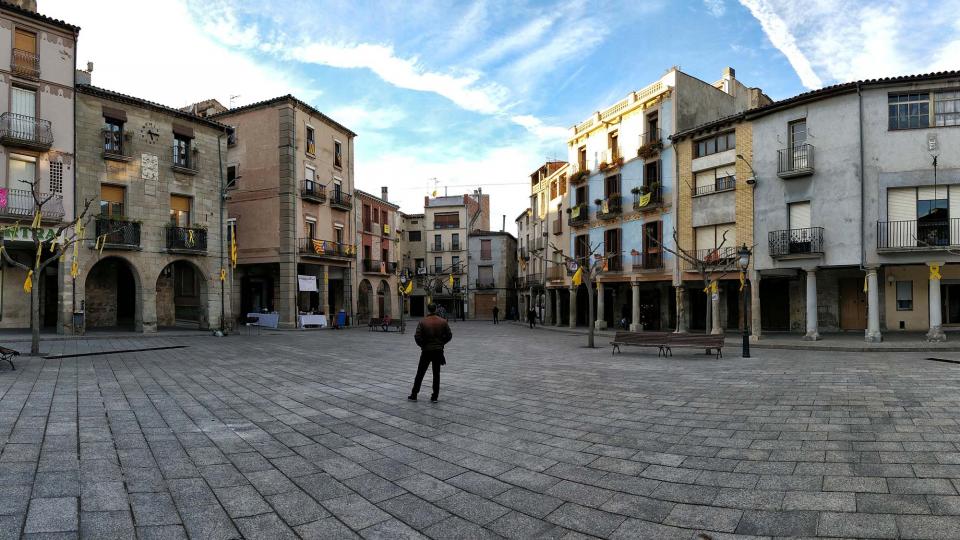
729	75
503	227
383	193
29	5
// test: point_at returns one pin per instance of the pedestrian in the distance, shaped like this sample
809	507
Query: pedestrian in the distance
532	317
496	315
433	333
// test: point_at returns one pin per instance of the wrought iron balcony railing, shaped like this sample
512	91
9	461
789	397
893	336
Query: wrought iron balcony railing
614	262
114	147
610	207
722	256
720	184
652	260
25	131
648	198
25	64
313	247
795	161
918	235
808	241
186	238
313	191
650	143
486	284
579	215
340	199
20	203
120	233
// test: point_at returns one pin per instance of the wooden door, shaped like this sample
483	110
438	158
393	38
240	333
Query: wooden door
853	304
774	304
483	305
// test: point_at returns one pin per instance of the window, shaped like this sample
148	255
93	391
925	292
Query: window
181	151
908	111
179	211
651	174
337	190
455	264
582	158
23	102
611	186
338	154
376	215
231	230
904	296
652	253
310	180
456	283
485	276
611	241
553	190
581	195
437	265
713	237
486	253
113	136
25	41
946	108
232	176
446	221
613	145
385	254
717	143
581	248
338	233
231	135
311	141
713	180
418	263
437	242
111	201
23	172
413	236
456	241
56	177
311	229
799	213
797	133
25	60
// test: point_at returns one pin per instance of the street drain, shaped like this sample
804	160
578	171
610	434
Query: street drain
119	351
944	360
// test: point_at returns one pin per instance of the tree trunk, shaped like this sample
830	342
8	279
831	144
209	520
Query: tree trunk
591	296
35	315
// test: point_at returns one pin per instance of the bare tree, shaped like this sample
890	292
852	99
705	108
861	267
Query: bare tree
48	249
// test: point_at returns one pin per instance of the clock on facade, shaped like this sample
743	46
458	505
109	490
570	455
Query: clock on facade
149	133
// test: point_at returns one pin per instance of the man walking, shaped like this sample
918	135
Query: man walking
433	333
532	317
496	315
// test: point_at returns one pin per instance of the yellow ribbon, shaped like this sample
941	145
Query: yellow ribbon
935	271
233	246
74	269
743	280
450	281
98	245
28	283
36	263
865	287
36	221
189	237
223	275
409	288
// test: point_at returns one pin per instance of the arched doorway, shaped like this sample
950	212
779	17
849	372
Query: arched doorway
182	296
383	299
364	301
110	295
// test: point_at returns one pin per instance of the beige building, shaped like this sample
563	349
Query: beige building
36	132
154	175
493	270
377	240
290	171
412	257
538	249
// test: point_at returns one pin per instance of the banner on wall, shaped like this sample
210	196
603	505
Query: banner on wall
307	283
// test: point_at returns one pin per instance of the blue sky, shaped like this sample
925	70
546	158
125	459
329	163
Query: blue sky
479	93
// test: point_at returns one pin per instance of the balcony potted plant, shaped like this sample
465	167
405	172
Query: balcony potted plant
603	165
636	190
598	202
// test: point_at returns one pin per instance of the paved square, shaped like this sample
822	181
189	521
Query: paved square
309	434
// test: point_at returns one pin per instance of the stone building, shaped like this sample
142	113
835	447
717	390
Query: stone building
412	250
493	267
290	171
154	253
537	242
377	240
37	138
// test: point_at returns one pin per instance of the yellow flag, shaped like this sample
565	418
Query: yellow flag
644	200
713	287
233	246
28	283
450	281
409	288
74	269
935	271
578	277
865	284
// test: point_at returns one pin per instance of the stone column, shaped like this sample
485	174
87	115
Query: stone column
755	320
146	319
715	327
812	333
683	322
936	320
635	325
557	309
572	320
547	307
873	308
600	323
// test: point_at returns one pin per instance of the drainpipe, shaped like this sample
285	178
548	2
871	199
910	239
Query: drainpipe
223	196
863	248
73	282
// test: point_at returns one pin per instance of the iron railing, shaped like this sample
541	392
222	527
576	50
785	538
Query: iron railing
118	232
720	184
187	238
435	247
918	234
314	191
20	203
651	137
610	207
579	215
641	202
113	145
341	200
455	225
614	262
796	242
25	63
485	284
313	247
795	161
373	266
722	256
27	131
648	261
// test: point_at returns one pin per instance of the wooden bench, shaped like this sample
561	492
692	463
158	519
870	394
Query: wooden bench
394	324
665	341
374	324
8	354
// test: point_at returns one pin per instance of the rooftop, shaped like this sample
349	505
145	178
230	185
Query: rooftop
38	16
366	195
291	99
124	98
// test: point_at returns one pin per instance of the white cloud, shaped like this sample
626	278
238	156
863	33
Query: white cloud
542	131
365	116
527	36
134	52
715	7
779	34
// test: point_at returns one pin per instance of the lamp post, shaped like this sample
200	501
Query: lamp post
744	260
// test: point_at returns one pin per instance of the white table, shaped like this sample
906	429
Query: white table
267	320
311	320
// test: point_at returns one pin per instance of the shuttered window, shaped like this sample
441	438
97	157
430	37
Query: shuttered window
446	221
712	236
180	211
706	238
705	179
800	215
901	204
111	201
25	41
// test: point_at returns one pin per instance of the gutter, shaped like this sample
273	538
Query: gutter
863	248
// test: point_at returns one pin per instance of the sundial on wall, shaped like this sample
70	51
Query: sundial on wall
149	133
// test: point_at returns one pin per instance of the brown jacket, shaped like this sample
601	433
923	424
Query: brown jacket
433	333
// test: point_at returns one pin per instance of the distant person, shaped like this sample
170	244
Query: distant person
433	333
532	317
513	313
496	315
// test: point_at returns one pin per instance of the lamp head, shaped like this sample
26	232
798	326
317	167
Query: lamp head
744	254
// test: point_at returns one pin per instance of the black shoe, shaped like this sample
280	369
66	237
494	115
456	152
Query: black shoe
433	399
412	398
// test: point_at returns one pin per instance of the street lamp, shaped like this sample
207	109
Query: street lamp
744	260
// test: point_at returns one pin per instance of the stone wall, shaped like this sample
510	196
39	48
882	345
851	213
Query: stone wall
166	312
101	295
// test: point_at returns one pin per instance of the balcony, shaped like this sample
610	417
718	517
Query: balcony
650	143
312	247
341	200
579	215
446	225
558	226
720	184
184	162
795	161
25	64
609	159
119	233
485	284
722	257
373	266
918	235
114	148
19	131
580	176
20	203
610	207
614	262
186	239
648	198
796	242
650	261
312	191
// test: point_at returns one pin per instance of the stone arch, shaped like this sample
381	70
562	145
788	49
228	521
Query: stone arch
112	295
383	299
182	295
364	301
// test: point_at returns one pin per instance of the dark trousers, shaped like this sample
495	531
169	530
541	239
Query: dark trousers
427	358
496	318
530	321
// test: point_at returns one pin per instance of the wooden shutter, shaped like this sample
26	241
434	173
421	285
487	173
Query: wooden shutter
706	237
112	194
800	215
25	41
902	204
180	203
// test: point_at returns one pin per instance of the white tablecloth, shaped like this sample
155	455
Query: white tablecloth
268	320
313	320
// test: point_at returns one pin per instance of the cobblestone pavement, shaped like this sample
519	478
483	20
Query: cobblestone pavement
311	435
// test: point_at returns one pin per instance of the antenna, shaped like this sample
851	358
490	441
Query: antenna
233	98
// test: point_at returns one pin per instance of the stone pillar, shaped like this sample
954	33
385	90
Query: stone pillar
936	320
755	320
548	307
557	309
683	321
715	326
872	333
812	333
146	319
635	325
572	320
600	323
